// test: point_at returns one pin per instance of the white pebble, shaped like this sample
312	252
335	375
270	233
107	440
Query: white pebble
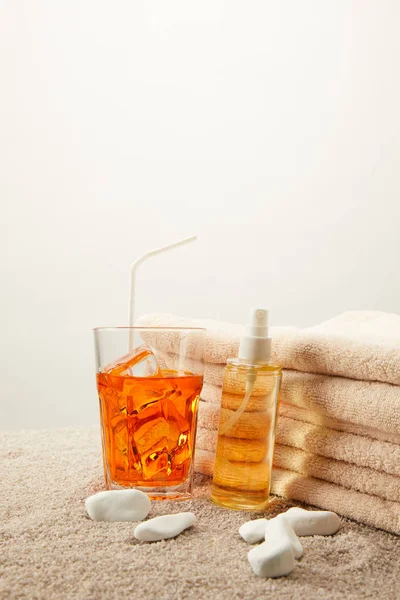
253	531
118	505
164	527
272	560
264	529
279	529
312	522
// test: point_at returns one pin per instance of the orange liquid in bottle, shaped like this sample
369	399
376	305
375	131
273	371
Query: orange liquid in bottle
148	424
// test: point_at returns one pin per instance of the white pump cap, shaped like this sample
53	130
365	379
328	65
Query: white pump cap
255	345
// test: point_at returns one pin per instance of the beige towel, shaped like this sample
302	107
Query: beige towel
362	479
364	508
305	403
342	446
359	345
302	414
369	404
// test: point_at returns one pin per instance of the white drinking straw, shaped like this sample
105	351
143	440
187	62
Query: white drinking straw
135	265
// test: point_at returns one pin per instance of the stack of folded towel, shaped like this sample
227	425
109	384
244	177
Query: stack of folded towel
338	434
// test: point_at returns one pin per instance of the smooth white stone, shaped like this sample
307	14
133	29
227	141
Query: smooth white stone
312	522
164	527
253	531
118	505
272	560
279	529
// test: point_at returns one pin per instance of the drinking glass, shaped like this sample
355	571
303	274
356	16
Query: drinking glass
149	382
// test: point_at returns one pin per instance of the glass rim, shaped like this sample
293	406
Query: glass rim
155	328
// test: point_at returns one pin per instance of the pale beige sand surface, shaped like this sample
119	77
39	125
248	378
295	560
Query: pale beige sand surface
49	548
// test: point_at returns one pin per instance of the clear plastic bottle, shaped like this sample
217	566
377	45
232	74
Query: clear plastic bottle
246	435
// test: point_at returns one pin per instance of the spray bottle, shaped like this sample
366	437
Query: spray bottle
246	434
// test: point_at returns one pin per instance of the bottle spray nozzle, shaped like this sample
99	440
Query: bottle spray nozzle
255	345
258	323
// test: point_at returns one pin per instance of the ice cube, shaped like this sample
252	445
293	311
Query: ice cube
141	362
151	435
